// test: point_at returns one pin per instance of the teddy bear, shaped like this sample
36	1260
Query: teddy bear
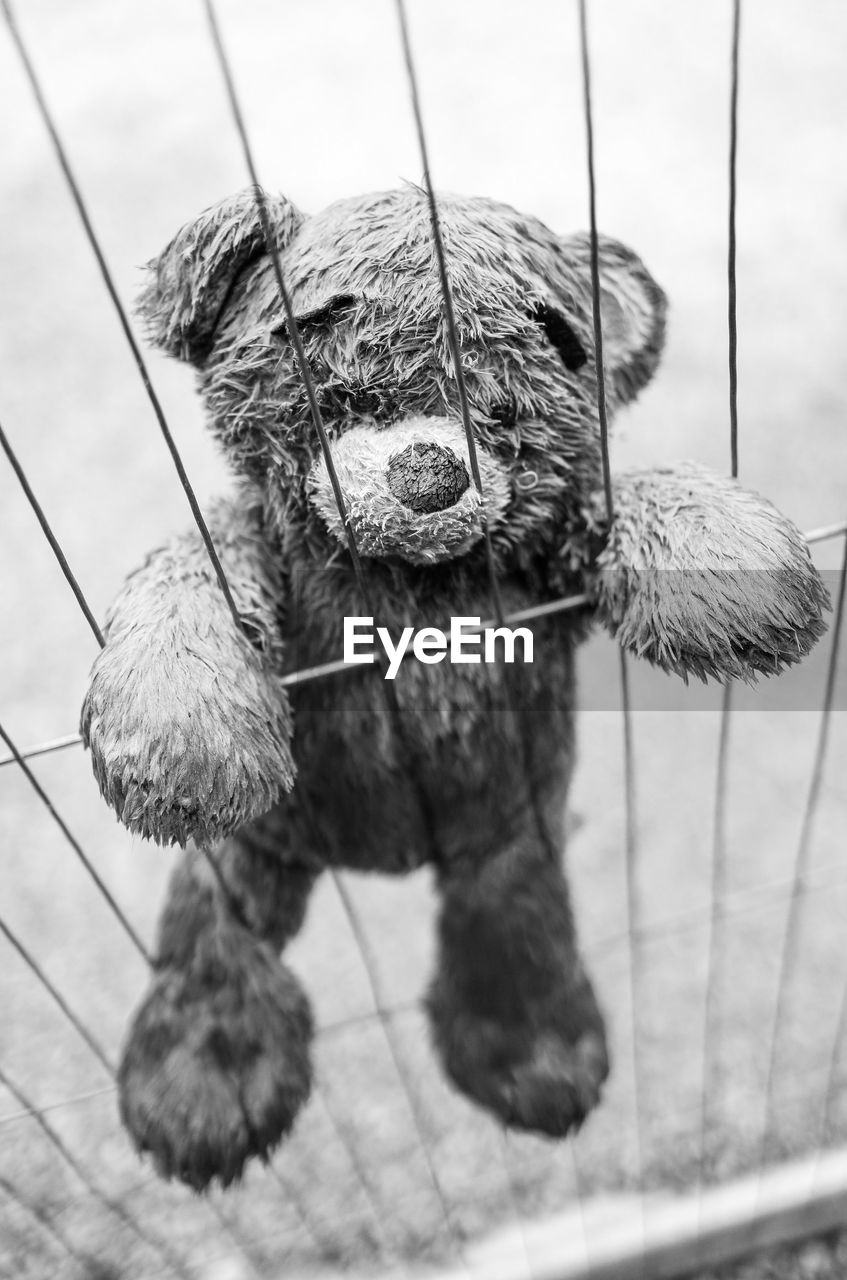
197	738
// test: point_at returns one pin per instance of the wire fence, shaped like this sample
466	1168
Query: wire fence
636	937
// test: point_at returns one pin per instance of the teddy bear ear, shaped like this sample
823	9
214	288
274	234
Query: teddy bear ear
632	311
191	279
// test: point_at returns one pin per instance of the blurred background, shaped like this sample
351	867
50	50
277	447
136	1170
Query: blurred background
140	104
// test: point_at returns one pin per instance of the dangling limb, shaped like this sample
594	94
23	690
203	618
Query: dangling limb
513	1013
216	1065
185	714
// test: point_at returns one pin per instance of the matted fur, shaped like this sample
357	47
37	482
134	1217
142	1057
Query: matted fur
188	722
704	577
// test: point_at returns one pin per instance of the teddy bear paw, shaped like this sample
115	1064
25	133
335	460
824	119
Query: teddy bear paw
536	1080
180	753
553	1090
213	1074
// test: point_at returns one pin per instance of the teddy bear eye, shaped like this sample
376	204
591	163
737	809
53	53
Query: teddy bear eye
505	413
561	335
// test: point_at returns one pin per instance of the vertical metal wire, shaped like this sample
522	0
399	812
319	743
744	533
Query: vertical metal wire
718	877
790	940
82	210
710	1050
731	293
633	913
385	1235
514	704
387	688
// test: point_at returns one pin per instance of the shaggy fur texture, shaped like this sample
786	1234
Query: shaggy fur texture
188	723
701	576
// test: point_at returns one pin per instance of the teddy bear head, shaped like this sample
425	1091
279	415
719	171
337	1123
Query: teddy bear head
365	289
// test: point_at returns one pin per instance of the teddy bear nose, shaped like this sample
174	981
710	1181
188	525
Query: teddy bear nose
426	476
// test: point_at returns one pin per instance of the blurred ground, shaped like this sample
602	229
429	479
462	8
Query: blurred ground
138	97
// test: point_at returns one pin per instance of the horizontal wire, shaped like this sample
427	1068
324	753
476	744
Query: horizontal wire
306	674
13	1117
826	531
44	748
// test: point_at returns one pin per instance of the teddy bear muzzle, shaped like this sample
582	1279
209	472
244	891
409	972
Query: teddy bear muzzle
408	491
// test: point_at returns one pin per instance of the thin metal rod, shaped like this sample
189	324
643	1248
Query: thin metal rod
631	825
99	1052
711	1045
681	924
160	1247
384	1234
633	917
513	701
231	903
44	748
372	974
514	704
73	1018
408	755
306	674
595	263
77	848
82	210
732	299
291	320
790	940
13	1117
308	383
320	1237
826	531
50	536
447	295
710	1049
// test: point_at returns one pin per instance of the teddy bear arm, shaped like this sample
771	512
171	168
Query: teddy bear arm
185	716
701	576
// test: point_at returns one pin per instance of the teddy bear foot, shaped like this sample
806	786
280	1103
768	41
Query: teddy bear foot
216	1068
553	1091
537	1082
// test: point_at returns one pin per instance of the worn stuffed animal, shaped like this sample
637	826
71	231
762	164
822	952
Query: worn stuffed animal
191	732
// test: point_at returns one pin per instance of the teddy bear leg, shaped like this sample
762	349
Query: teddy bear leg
513	1013
216	1065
